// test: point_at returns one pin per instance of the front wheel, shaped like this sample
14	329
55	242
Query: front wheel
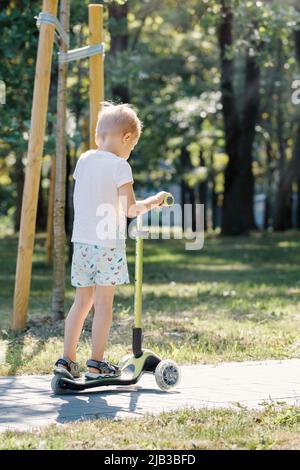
167	374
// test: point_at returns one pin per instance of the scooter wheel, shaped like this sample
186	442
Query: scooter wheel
56	387
167	374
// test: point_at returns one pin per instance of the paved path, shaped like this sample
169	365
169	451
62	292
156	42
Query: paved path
27	401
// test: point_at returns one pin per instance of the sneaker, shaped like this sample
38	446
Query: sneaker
105	370
67	364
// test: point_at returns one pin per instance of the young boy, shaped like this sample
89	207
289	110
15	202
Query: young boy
103	187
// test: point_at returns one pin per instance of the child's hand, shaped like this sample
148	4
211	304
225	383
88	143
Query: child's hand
160	197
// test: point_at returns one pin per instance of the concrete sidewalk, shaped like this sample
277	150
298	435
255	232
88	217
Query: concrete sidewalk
27	402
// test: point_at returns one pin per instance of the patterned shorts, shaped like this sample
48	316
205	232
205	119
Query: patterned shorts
97	265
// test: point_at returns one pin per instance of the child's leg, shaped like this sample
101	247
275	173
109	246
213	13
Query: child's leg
74	322
103	302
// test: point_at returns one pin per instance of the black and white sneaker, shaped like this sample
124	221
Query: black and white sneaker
105	370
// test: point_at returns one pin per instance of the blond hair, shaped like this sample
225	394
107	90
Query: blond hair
117	118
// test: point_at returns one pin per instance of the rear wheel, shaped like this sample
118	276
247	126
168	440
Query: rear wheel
167	374
56	385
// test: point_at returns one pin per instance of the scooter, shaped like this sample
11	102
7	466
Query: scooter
166	372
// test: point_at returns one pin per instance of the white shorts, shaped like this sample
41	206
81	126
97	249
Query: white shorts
98	265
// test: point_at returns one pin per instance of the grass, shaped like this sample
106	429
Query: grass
272	428
237	299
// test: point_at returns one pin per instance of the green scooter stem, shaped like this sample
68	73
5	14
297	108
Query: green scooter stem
138	282
137	329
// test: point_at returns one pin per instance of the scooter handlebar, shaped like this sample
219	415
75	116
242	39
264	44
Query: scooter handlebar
169	200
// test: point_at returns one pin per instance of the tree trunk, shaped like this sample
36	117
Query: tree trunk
232	206
214	205
268	211
86	133
118	28
298	204
287	173
237	216
250	114
49	239
58	295
69	214
203	191
284	184
50	200
187	192
292	173
183	195
41	211
192	201
214	196
82	125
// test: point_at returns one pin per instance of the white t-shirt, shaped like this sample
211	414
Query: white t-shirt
98	218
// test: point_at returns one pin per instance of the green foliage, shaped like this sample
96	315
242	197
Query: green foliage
171	69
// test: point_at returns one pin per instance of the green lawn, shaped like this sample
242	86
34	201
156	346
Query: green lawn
237	299
187	429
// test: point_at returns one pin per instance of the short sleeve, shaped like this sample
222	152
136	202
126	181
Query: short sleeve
123	173
76	169
79	164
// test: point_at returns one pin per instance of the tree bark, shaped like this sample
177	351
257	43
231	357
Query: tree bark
69	214
119	43
251	109
292	173
232	207
58	295
118	28
203	191
49	239
237	214
187	192
41	210
288	172
298	204
268	211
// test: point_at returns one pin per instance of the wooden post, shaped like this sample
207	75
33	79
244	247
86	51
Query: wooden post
96	68
33	169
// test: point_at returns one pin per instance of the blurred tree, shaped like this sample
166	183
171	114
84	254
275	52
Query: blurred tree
220	130
289	171
238	215
118	30
59	238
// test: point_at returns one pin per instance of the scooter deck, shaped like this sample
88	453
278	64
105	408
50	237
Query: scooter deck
81	384
131	371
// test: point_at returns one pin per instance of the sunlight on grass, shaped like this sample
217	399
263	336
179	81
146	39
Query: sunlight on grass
237	299
272	427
